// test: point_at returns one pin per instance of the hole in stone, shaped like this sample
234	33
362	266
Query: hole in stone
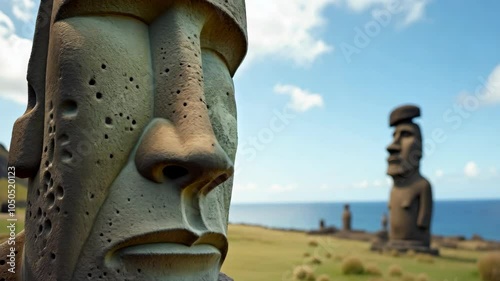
134	122
137	86
178	91
111	156
103	66
185	104
131	79
167	70
51	198
60	192
92	82
98	95
69	108
185	116
174	172
53	256
227	93
51	116
108	121
106	136
67	155
63	139
58	209
47	225
50	130
121	114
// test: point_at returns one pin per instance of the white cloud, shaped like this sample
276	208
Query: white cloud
278	188
23	10
301	100
245	187
377	183
285	28
14	56
487	92
471	170
411	10
363	184
288	29
439	173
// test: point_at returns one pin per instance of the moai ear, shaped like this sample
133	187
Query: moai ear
27	136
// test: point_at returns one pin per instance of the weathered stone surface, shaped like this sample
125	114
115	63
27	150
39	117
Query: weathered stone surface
129	139
411	203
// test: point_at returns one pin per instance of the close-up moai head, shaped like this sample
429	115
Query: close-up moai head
129	139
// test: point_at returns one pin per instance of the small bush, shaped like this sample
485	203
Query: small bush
303	273
411	253
313	243
408	277
314	261
422	277
306	255
395	253
424	258
328	255
372	269
352	265
395	270
323	277
489	267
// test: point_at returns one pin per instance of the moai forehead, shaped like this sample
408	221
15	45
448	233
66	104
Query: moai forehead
228	19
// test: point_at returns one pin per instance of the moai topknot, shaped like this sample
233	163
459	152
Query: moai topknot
129	140
346	218
410	202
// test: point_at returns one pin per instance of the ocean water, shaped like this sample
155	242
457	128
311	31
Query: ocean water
449	217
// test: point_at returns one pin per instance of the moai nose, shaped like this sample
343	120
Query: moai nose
165	155
394	147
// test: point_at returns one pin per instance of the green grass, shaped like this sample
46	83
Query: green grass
262	254
21	191
269	255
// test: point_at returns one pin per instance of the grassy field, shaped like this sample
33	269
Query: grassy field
269	255
21	191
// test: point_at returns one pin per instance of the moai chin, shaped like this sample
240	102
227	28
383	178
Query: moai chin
411	201
129	140
346	218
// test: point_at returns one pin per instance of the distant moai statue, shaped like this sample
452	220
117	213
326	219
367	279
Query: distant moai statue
321	224
346	218
385	221
410	204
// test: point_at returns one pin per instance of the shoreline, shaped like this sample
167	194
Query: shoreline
475	243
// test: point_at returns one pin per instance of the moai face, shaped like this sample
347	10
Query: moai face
405	150
129	142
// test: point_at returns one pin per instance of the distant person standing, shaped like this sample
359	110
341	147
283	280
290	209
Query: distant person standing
346	218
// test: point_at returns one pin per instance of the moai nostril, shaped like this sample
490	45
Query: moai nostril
174	172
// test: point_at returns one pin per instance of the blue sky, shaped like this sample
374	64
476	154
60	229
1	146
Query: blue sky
319	82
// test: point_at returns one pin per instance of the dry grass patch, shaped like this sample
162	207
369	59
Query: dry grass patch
352	265
489	267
